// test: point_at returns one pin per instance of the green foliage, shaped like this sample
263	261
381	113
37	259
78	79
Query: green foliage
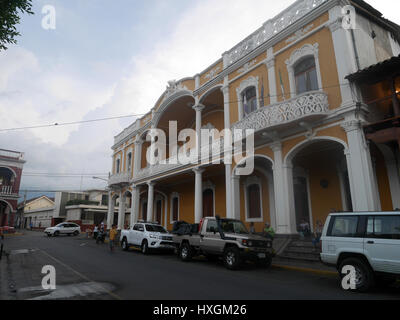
9	18
78	202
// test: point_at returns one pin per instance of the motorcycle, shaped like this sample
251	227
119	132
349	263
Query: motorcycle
101	236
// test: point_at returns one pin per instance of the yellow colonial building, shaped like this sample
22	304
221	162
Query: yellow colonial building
288	82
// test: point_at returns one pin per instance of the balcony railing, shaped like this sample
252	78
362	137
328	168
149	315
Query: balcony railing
119	178
311	104
7	190
11	154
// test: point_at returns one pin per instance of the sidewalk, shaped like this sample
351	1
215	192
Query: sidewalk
302	266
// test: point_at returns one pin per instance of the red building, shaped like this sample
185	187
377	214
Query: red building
11	165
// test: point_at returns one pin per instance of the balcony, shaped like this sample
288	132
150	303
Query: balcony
7	191
311	106
15	155
119	179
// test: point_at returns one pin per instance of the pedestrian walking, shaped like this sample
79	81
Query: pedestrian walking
317	234
269	232
252	228
112	237
95	232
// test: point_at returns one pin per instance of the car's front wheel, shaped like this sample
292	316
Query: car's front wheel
125	245
185	252
232	258
145	247
76	233
363	275
56	233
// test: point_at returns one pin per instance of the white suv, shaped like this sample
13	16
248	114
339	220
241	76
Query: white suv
67	228
368	242
146	236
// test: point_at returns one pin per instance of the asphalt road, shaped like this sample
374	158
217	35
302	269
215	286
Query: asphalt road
83	266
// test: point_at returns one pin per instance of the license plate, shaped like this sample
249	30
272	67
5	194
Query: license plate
262	255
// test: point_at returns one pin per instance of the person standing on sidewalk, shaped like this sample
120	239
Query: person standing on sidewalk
113	235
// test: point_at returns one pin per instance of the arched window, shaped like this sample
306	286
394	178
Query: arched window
253	201
305	74
249	100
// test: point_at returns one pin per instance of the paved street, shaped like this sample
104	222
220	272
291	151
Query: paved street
89	271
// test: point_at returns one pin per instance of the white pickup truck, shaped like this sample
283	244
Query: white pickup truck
146	236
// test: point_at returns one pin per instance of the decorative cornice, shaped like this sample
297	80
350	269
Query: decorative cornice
212	74
250	81
307	49
351	125
335	25
270	63
271	28
246	67
299	33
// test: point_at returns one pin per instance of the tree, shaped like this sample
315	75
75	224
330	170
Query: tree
9	18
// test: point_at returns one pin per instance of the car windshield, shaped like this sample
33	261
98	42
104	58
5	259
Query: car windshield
155	228
233	226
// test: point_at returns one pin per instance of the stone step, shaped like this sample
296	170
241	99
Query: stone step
303	250
299	258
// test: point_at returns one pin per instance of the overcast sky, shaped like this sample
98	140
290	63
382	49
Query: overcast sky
110	58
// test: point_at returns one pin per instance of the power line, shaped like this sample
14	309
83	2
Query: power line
139	115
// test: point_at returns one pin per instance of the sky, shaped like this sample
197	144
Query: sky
109	58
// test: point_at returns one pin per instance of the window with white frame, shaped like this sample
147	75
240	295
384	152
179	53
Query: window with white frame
304	70
129	161
253	199
305	74
249	100
118	166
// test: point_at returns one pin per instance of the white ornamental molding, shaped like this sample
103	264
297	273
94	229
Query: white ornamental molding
247	66
272	27
172	88
299	33
309	104
212	74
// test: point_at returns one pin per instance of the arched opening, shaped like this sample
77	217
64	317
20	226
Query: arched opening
253	195
320	181
7	178
5	213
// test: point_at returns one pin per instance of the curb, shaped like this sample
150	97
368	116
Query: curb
13	234
308	270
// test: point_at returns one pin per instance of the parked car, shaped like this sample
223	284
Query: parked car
367	241
67	228
226	238
146	236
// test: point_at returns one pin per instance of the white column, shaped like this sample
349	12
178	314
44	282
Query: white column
394	181
198	195
137	157
360	169
284	194
135	205
236	196
271	75
228	167
198	108
344	52
111	208
228	190
121	211
150	201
